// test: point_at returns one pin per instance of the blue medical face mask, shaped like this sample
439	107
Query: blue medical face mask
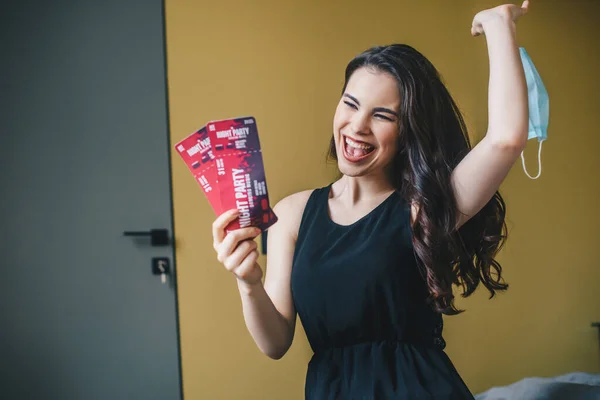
539	108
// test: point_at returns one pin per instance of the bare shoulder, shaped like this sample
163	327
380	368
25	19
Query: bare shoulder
289	211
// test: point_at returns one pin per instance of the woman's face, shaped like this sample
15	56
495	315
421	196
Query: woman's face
365	126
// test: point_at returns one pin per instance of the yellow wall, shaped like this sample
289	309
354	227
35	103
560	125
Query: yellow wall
283	62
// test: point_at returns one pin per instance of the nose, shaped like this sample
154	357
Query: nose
360	124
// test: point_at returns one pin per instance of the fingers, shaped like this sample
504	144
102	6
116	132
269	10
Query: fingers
237	249
248	270
231	241
476	30
220	223
524	8
235	259
506	11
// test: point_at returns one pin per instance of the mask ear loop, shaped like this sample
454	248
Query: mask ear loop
539	163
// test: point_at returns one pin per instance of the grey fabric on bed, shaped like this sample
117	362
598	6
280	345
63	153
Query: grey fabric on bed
573	386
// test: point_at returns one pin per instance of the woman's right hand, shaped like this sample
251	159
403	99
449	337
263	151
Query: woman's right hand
236	250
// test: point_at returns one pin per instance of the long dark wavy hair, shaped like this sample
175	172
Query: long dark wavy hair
432	140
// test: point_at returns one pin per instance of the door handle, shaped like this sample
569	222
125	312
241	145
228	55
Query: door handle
158	237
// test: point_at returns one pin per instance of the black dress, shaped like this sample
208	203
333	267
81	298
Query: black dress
361	301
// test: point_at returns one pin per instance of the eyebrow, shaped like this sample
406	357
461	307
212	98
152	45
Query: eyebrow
376	109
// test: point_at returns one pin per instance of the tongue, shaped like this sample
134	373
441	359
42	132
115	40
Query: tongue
354	152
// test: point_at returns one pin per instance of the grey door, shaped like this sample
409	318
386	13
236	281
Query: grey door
84	156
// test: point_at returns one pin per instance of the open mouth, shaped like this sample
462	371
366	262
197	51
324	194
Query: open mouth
355	151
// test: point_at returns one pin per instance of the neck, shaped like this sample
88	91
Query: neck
363	188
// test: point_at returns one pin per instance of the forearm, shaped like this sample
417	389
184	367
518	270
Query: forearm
507	102
270	330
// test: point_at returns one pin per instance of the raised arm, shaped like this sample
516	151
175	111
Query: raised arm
479	175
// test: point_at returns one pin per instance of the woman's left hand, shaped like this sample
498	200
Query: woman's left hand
506	12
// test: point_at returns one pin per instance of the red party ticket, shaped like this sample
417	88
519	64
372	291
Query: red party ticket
226	160
196	152
240	171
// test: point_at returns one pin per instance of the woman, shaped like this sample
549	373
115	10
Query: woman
368	262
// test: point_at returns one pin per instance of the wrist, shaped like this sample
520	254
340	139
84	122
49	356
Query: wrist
499	24
248	288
